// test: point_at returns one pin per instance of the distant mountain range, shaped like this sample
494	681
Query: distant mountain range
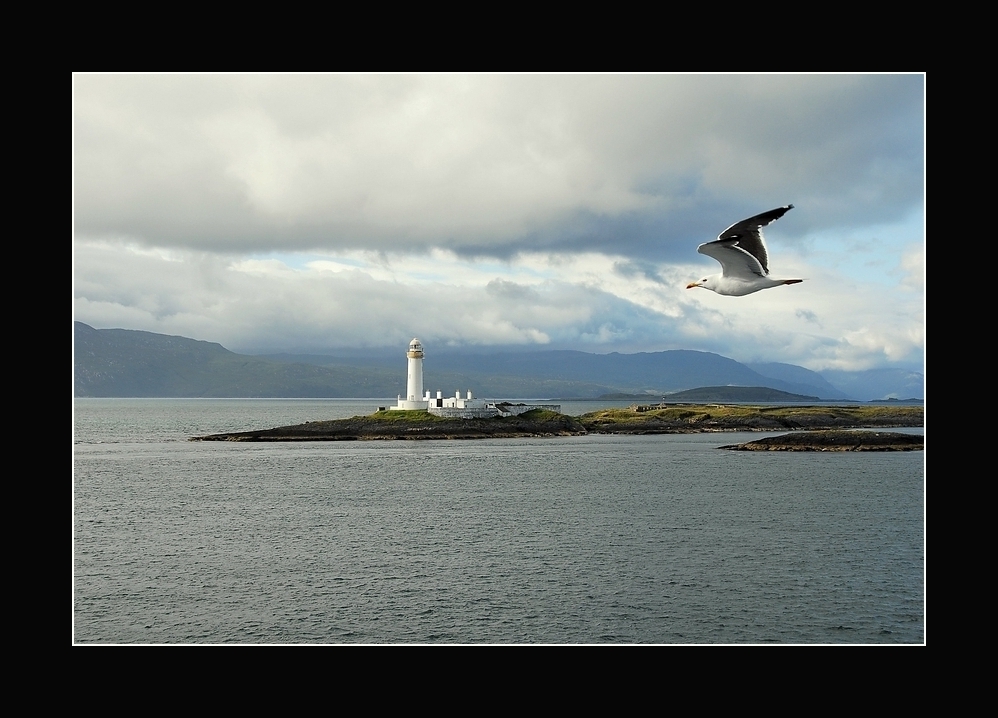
737	393
121	362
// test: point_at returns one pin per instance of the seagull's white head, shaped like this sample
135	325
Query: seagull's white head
709	282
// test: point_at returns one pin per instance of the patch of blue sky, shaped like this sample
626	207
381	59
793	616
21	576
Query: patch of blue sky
300	261
430	277
448	268
870	254
523	270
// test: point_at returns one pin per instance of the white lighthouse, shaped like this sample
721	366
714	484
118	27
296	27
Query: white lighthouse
456	407
414	383
414	398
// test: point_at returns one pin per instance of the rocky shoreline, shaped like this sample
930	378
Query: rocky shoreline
835	441
406	425
698	419
395	425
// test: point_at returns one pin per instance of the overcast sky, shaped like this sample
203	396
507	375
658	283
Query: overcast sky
314	213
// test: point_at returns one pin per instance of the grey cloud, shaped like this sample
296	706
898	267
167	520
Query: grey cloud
808	316
277	308
644	166
511	290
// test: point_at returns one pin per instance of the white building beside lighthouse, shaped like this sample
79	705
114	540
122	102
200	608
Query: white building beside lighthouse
455	406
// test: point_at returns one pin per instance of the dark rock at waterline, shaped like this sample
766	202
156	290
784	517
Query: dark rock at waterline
414	425
658	419
835	441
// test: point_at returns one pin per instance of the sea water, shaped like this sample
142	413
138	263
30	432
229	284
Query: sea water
591	539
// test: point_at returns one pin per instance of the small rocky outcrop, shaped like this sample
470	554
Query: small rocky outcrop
835	441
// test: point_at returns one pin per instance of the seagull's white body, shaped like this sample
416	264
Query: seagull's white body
744	260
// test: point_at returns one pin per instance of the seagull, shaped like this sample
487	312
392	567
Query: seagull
741	251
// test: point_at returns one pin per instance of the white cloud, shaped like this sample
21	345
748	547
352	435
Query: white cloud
327	211
913	266
585	302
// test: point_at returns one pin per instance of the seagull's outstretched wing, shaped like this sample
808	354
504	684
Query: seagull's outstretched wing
741	249
736	263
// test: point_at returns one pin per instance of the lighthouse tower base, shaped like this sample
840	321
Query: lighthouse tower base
406	405
414	399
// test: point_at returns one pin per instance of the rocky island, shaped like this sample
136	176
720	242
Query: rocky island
835	441
637	419
414	425
701	418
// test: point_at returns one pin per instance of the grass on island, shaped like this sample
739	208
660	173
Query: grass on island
695	413
687	413
403	416
634	419
400	416
539	415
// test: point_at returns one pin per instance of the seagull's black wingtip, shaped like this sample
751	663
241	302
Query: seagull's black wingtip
789	207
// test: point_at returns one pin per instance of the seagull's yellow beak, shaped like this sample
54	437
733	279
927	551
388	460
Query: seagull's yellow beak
692	284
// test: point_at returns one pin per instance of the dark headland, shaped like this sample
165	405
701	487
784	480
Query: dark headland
653	419
414	425
835	441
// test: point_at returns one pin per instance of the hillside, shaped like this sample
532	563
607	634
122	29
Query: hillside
737	393
123	363
120	362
